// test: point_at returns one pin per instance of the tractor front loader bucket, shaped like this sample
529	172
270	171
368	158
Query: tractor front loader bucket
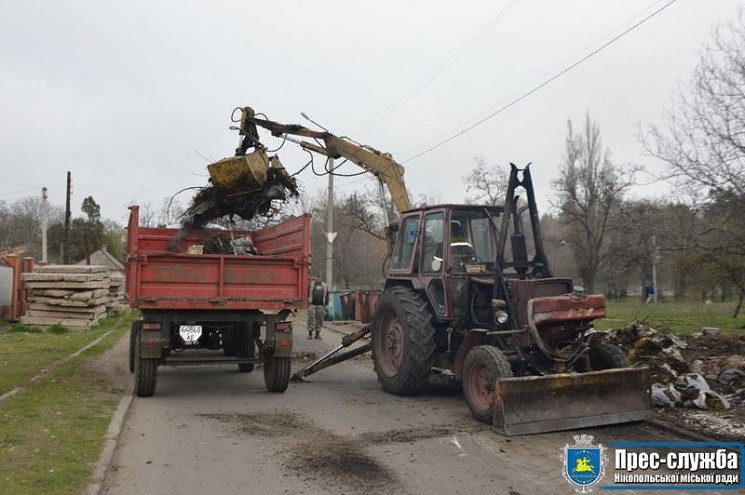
536	404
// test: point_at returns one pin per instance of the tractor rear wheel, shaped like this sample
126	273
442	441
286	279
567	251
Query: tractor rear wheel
403	342
604	356
484	364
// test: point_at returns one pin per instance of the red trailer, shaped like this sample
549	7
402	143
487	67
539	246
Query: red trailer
235	303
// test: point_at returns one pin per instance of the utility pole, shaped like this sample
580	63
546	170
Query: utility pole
66	242
44	223
87	243
330	234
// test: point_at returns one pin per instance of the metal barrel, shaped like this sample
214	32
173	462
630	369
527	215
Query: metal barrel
535	404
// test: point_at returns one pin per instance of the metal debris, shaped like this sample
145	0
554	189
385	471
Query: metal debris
646	346
676	382
247	186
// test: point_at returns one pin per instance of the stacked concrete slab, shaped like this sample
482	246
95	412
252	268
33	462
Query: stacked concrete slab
117	298
75	296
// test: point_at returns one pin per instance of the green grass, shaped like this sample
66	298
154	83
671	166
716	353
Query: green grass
673	316
52	432
25	351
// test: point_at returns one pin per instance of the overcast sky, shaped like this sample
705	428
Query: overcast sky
131	96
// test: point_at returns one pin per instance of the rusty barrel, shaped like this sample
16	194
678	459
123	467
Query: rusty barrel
347	306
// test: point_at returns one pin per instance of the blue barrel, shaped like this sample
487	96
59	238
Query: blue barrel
334	310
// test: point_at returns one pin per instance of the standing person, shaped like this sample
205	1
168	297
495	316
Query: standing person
318	297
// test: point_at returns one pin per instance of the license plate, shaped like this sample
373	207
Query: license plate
190	333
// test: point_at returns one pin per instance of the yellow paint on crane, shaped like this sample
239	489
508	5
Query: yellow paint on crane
242	172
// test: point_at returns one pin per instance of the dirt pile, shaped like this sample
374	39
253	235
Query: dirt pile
645	346
701	371
698	380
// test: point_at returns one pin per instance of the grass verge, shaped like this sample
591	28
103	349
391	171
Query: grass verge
25	351
674	316
51	433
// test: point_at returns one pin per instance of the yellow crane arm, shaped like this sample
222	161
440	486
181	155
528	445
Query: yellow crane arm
381	165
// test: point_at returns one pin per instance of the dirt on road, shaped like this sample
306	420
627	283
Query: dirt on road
215	430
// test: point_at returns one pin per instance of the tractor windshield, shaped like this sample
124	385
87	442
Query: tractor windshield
473	240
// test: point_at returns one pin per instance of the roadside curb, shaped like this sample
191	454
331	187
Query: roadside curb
677	430
110	442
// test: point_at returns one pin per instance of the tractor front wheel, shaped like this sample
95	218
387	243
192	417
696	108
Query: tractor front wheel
403	342
484	364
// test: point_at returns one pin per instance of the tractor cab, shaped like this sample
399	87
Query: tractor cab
442	248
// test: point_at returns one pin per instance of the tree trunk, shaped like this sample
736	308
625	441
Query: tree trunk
740	297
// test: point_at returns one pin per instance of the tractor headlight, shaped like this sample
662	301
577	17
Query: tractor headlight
501	317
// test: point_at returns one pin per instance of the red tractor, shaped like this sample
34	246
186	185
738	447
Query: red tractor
459	299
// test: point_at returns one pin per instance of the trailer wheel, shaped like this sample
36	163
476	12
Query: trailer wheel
230	339
484	364
133	329
277	373
145	370
246	348
403	342
604	356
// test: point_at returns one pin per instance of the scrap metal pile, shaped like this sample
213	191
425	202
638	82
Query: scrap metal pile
245	185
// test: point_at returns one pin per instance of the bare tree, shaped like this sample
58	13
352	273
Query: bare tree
703	144
360	213
147	215
170	212
631	244
360	246
590	188
488	183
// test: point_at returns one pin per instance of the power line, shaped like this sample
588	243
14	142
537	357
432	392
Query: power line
540	86
417	88
537	80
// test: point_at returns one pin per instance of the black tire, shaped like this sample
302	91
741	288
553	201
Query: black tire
483	365
230	341
145	370
133	329
277	373
246	348
403	344
603	356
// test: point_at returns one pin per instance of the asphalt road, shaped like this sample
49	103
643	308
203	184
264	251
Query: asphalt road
215	430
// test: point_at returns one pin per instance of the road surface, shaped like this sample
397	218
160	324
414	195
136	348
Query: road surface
215	430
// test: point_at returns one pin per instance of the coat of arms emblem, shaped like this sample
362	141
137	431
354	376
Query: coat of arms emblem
584	463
